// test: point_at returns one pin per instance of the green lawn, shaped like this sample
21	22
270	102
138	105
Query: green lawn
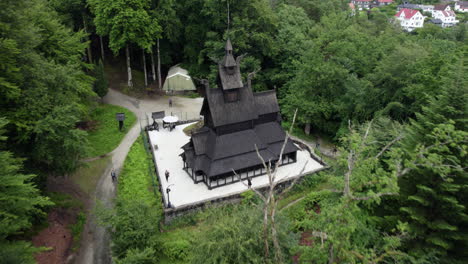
106	136
88	175
135	181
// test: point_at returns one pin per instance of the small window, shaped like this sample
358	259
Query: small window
231	96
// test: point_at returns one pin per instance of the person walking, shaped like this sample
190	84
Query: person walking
249	182
170	102
114	177
167	175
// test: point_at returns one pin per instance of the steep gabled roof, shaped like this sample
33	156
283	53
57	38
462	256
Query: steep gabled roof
230	80
229	71
440	7
448	13
462	4
232	112
408	13
266	102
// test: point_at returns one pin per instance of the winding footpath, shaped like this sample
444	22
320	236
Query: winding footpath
95	242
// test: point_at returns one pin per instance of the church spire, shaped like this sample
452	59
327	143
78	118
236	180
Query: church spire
228	60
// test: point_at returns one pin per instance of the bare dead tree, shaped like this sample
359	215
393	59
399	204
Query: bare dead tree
270	202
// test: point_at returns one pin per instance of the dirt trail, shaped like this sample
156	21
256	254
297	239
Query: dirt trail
95	243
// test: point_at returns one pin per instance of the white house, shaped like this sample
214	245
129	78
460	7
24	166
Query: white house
383	2
445	14
426	8
361	4
410	19
461	6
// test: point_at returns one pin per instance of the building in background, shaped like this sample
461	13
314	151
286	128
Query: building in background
461	6
410	19
445	14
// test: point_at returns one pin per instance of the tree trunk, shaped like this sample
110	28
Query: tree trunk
90	56
159	67
129	69
144	68
331	258
102	49
153	71
265	231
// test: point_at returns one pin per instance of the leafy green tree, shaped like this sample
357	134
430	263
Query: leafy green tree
316	9
293	38
343	228
134	226
126	22
17	252
101	86
434	189
252	29
329	81
20	202
235	236
47	90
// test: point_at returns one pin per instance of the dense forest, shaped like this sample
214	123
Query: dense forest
394	102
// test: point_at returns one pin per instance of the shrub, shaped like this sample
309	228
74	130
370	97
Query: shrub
177	249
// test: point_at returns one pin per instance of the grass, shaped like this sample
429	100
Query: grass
77	230
135	181
106	136
88	175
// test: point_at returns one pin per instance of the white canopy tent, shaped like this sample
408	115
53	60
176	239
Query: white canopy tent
178	80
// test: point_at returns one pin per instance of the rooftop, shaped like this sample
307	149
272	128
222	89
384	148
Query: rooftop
408	13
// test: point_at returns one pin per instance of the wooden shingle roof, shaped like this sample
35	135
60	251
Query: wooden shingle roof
233	112
266	102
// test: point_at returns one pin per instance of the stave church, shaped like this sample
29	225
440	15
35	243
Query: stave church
237	122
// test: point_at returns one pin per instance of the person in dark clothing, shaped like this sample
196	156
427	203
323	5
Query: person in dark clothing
167	175
249	182
170	102
114	177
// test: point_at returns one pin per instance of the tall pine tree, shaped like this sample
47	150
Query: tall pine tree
434	192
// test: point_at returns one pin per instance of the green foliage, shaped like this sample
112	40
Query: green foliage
433	197
339	218
77	230
135	181
20	202
358	68
234	235
249	197
135	219
125	22
101	86
44	88
106	136
17	252
177	249
137	256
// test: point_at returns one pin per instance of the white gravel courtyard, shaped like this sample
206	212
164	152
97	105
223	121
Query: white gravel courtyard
185	192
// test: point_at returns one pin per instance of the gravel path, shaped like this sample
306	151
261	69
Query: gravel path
95	243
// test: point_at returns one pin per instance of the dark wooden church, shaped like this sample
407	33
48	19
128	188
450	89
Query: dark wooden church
236	120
